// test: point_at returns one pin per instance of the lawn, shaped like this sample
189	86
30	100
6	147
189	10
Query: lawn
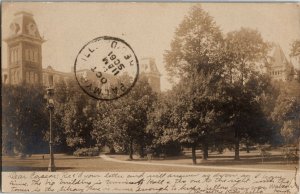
71	163
248	160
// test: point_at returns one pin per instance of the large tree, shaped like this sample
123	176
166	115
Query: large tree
197	113
287	111
160	124
195	59
124	121
196	45
73	116
24	119
244	52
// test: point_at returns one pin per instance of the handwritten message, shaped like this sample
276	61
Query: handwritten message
150	182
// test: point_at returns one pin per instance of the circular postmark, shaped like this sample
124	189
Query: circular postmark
106	68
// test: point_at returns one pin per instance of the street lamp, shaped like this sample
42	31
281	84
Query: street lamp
50	106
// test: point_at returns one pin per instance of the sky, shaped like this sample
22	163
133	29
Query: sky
147	27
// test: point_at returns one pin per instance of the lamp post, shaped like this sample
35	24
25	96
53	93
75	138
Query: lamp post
50	106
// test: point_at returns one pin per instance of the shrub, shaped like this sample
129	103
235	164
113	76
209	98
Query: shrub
87	152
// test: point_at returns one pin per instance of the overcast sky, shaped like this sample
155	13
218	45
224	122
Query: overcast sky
147	27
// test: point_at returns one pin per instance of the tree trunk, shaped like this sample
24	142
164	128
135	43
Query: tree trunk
237	146
112	150
204	151
142	150
194	154
247	148
131	150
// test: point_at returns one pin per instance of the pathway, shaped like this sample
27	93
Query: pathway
107	158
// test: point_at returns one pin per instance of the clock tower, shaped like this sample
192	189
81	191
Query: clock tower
24	51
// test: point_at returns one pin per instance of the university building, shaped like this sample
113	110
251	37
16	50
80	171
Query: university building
277	65
25	58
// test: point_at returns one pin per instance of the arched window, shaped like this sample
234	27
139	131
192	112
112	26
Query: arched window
27	55
35	78
13	55
17	54
17	77
44	78
35	54
31	55
31	77
27	77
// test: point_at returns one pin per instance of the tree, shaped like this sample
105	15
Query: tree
244	50
124	123
287	110
104	125
25	119
195	59
195	46
160	124
295	49
74	114
199	112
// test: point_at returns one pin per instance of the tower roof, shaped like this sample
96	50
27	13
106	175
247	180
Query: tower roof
148	65
24	24
277	56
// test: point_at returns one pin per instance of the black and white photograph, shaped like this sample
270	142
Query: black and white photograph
150	97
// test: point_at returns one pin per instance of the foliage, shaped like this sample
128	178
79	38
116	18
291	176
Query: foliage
124	121
87	152
219	86
196	42
295	49
25	119
195	58
74	114
287	111
159	125
244	51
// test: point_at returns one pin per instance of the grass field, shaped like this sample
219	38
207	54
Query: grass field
71	163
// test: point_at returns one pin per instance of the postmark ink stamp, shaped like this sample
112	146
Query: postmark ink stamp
106	68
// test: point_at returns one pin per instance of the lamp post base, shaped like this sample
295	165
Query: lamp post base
51	167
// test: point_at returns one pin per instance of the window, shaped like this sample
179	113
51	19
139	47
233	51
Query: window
50	80
44	79
31	77
31	55
35	78
14	55
17	77
27	77
35	56
12	77
27	54
5	77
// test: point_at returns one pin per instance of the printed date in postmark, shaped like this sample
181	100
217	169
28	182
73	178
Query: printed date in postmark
106	68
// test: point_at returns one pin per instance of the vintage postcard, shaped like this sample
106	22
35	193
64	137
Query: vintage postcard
153	97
